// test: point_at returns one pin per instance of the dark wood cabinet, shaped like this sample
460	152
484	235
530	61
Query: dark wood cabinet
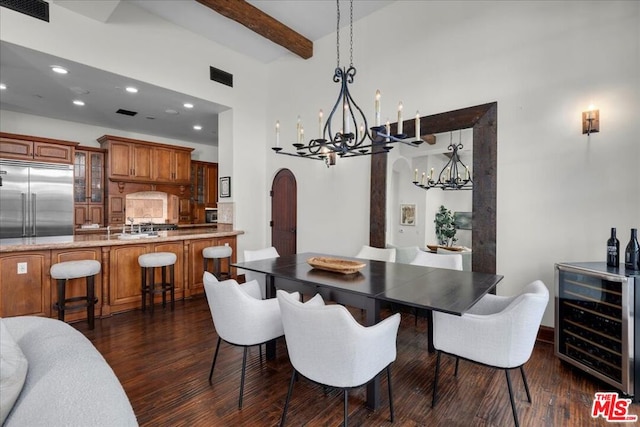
33	148
204	188
88	186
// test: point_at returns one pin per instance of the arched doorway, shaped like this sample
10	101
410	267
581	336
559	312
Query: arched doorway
284	212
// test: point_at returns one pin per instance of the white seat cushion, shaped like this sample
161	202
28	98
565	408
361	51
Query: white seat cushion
157	259
217	252
13	371
75	269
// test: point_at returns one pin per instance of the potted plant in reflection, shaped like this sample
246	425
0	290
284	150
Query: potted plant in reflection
445	227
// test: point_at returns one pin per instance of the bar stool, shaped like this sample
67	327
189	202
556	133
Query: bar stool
149	262
62	272
216	253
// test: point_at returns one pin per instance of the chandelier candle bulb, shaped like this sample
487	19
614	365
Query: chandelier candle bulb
388	127
399	118
466	176
320	114
417	125
415	175
345	118
377	107
298	130
423	174
448	174
431	175
277	133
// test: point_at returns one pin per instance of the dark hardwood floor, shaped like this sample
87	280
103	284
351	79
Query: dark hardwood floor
163	361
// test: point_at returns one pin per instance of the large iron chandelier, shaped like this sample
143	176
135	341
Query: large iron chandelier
455	175
348	140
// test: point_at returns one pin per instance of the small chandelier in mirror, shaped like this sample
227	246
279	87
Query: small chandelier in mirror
455	175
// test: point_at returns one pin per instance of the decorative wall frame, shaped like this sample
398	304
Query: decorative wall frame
225	186
407	214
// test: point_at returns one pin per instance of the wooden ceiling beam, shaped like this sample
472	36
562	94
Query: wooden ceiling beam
263	24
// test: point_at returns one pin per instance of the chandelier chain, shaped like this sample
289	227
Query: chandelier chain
338	34
351	35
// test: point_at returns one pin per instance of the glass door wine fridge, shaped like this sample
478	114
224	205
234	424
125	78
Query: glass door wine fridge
595	322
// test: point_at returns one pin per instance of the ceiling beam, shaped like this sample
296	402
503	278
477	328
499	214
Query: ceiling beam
263	24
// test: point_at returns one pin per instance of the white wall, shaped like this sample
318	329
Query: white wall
139	45
559	191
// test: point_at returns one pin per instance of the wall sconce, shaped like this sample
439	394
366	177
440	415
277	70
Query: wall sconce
591	121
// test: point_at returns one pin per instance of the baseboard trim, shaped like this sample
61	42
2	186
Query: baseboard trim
546	334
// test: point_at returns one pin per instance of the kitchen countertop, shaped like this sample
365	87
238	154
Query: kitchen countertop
96	240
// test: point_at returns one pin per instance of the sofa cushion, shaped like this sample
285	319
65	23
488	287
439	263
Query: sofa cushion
13	371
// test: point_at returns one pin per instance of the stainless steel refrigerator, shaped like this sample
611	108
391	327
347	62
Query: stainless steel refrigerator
36	199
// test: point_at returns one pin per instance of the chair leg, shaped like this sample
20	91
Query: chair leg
244	366
91	301
390	393
164	283
513	404
346	407
172	277
215	356
526	386
430	346
286	403
143	279
435	381
455	373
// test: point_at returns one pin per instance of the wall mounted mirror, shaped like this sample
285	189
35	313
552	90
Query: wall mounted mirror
482	122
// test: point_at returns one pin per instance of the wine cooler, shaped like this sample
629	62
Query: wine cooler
596	328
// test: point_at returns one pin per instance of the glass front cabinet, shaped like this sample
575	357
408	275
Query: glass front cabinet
595	322
88	188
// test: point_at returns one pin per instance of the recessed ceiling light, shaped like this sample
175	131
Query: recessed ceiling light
197	127
188	105
3	86
171	111
78	102
131	89
58	69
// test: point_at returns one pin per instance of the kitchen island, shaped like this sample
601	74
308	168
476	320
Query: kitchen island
26	287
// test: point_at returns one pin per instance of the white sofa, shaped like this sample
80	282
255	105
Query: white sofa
68	382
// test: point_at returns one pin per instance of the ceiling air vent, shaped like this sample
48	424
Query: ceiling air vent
127	112
220	76
36	8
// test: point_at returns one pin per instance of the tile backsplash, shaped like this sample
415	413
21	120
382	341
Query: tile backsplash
225	212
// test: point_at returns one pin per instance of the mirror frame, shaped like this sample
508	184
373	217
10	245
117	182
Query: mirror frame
484	121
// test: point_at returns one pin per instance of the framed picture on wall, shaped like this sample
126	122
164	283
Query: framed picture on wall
407	214
225	186
463	220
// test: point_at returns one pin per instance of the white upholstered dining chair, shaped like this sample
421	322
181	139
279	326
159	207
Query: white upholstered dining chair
429	259
348	359
254	255
377	254
497	331
241	317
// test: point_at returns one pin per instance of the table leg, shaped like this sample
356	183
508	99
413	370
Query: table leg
270	293
372	308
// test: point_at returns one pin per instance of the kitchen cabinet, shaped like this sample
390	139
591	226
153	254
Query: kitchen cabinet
77	287
88	186
170	165
132	160
25	286
204	188
125	277
26	147
128	161
196	284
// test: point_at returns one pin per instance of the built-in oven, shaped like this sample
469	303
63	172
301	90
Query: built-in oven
211	215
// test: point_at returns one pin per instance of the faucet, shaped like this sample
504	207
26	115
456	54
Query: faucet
108	231
130	218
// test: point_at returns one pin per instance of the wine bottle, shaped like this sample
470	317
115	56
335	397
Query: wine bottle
632	253
613	250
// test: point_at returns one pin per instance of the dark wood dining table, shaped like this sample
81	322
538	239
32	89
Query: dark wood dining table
426	288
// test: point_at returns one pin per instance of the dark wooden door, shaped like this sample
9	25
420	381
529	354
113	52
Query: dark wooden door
284	202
